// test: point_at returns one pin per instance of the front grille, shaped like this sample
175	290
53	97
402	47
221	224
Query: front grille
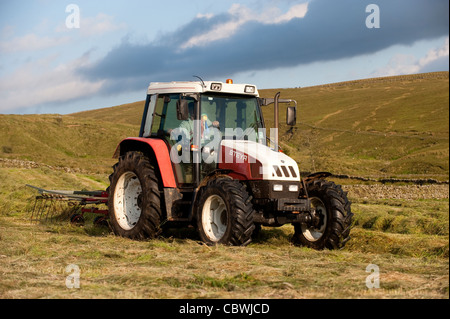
283	172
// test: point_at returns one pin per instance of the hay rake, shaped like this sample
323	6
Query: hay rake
57	205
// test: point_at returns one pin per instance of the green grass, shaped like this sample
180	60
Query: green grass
83	145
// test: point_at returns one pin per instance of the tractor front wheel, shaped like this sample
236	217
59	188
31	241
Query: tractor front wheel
331	215
225	213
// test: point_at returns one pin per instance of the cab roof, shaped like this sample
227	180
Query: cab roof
201	87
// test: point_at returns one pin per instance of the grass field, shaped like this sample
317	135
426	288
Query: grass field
407	241
388	127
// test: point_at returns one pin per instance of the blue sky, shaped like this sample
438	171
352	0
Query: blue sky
120	46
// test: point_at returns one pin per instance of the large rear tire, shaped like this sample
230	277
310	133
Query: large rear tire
225	213
134	203
333	217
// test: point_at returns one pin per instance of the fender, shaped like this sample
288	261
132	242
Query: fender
314	176
152	147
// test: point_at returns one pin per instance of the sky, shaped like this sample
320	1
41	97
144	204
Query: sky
70	56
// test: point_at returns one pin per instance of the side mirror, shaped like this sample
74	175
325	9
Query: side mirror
182	110
291	115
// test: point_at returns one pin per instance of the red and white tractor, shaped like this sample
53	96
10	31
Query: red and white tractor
203	158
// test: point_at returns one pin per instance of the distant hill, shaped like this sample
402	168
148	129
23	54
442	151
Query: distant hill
381	127
130	113
386	126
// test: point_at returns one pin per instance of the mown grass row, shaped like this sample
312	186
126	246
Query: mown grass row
34	260
427	217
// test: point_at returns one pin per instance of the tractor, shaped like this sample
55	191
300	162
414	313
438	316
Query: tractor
204	158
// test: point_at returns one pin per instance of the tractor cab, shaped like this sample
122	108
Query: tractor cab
195	117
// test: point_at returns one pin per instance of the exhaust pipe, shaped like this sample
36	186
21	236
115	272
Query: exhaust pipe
276	100
277	96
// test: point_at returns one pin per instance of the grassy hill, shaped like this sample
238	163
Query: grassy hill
383	127
63	141
379	127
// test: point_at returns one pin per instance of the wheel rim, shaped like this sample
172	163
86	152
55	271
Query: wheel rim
214	218
127	200
314	233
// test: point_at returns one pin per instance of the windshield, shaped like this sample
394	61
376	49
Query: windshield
237	117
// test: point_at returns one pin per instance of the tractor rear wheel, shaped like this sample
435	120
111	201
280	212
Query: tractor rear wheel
134	203
332	217
225	213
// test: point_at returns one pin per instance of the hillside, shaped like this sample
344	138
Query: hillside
63	141
381	127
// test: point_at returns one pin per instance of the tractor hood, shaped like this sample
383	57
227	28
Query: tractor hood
257	161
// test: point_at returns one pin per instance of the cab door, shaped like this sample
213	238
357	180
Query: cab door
176	133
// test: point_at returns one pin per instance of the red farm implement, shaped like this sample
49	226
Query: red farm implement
54	205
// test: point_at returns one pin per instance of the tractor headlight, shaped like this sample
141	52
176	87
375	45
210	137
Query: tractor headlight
249	89
277	187
216	86
293	188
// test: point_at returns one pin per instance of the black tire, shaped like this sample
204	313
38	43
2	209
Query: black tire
77	219
101	221
229	201
134	203
333	217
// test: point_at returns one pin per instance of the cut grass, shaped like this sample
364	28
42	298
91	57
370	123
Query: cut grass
429	217
413	264
34	259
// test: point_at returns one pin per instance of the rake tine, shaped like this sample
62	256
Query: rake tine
36	199
43	203
49	210
55	205
52	210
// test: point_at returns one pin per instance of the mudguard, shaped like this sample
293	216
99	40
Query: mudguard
152	147
315	176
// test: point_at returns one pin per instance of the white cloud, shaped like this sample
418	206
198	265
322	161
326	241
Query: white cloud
89	26
94	26
31	42
408	64
240	15
206	15
297	11
435	54
37	82
100	24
